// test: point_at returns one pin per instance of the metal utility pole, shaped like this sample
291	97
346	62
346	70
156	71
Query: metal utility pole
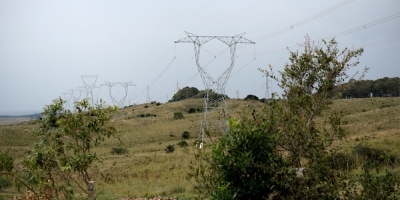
119	103
213	102
148	99
89	83
267	88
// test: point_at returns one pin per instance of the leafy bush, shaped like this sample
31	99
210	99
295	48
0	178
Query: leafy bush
194	110
183	144
146	115
371	155
185	93
260	155
119	150
64	150
185	135
170	148
341	161
246	165
376	185
251	97
178	115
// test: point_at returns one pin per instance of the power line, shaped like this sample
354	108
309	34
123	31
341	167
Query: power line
340	34
311	18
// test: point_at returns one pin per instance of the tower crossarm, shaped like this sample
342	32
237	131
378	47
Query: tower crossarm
110	85
228	40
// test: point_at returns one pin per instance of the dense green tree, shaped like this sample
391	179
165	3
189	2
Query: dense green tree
185	93
384	87
251	97
307	82
192	92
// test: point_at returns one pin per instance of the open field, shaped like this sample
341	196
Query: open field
146	170
12	121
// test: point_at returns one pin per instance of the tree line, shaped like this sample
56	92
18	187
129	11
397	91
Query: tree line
383	87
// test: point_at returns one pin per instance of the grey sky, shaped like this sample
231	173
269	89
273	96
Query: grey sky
45	46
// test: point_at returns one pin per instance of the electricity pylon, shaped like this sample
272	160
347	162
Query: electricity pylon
214	102
76	94
119	103
67	98
89	83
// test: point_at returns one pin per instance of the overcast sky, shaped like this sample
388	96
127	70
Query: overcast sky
45	46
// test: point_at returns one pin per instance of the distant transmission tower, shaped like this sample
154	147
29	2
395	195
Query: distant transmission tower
67	98
89	83
120	102
76	94
214	102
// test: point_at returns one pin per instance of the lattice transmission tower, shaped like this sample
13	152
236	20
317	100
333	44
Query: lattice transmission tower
213	103
67	98
89	83
77	94
119	102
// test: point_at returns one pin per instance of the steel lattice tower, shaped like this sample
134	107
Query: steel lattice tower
214	85
119	103
89	83
76	94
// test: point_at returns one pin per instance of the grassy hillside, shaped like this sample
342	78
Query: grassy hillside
146	130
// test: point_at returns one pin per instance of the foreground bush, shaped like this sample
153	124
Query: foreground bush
61	161
264	156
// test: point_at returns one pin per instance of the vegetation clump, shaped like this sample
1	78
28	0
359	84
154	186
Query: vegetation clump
194	110
61	160
178	115
142	115
265	154
170	148
183	144
119	150
251	97
185	135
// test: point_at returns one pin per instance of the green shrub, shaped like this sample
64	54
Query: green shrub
376	185
251	97
4	182
341	161
178	115
370	154
244	164
146	115
185	135
192	110
170	148
183	144
119	150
